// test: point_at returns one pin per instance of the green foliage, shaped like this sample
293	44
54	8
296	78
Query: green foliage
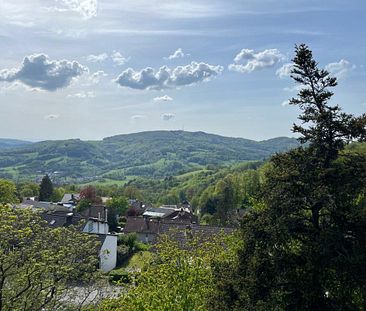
127	246
7	192
38	264
117	206
304	245
83	205
27	189
119	276
179	279
45	189
148	154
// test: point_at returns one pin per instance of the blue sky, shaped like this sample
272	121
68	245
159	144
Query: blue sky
95	68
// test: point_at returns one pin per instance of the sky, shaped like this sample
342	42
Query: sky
96	68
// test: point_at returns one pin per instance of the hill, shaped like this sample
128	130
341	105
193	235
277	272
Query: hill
11	143
153	154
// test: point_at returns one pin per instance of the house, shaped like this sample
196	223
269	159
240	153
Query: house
146	229
96	219
31	203
70	198
202	233
63	217
172	212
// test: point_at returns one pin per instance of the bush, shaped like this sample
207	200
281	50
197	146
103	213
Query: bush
119	276
123	253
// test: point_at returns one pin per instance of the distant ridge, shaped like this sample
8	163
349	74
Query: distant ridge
153	154
9	143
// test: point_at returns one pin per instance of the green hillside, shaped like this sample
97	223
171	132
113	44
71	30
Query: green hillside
11	143
149	154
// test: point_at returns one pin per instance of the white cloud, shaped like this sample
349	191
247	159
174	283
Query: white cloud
177	54
255	61
340	69
97	58
119	59
97	76
39	72
86	8
285	103
82	95
167	116
138	117
285	70
165	78
52	116
164	98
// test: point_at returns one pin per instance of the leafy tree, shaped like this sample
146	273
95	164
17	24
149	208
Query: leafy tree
57	194
132	192
89	194
304	248
226	205
178	279
27	189
7	192
83	205
117	206
45	189
39	264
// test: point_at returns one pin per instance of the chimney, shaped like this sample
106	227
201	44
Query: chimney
147	223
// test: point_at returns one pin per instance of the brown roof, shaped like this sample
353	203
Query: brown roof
141	225
96	212
178	229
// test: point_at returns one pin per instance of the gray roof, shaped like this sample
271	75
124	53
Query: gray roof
37	204
70	197
61	218
158	212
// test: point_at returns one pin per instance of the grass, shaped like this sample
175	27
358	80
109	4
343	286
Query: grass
139	261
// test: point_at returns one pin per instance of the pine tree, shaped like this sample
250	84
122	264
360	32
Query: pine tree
45	189
305	247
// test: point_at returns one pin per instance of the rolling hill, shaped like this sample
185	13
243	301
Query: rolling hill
11	143
153	154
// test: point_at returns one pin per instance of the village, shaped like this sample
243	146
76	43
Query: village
147	222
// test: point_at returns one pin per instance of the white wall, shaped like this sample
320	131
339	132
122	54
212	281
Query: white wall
96	227
108	253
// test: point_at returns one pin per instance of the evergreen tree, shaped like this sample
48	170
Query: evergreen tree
45	189
304	248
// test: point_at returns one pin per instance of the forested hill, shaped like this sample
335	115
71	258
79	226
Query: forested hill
151	154
11	143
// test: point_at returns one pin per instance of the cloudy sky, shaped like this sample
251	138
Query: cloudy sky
95	68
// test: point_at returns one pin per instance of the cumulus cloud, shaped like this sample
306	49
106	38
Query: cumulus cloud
285	70
285	103
138	117
340	69
177	54
164	98
39	72
82	95
119	59
97	58
165	78
167	116
52	116
247	61
86	8
95	77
